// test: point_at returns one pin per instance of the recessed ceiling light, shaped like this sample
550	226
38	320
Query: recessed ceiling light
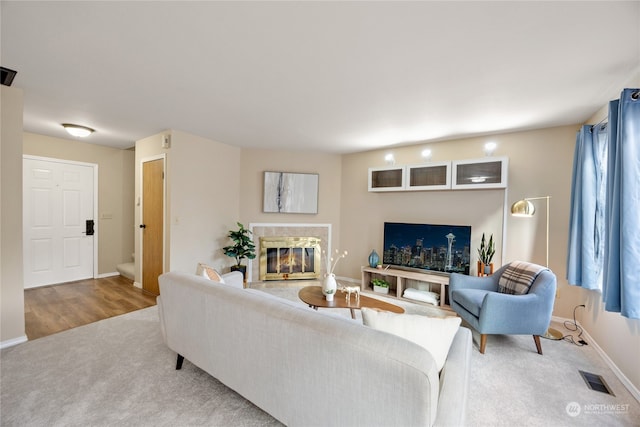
489	148
77	130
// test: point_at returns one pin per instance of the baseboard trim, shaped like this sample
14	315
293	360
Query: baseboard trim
105	275
137	285
12	342
618	373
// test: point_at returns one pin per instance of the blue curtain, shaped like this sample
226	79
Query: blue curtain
604	225
588	200
621	285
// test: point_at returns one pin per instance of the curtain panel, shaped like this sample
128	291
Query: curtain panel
587	215
604	250
621	291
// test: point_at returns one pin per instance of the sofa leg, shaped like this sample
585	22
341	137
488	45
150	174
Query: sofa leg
179	362
536	338
483	342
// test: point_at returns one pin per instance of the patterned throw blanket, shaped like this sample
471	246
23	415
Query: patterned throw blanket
518	277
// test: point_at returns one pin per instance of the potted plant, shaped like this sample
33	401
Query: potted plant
485	255
242	247
380	285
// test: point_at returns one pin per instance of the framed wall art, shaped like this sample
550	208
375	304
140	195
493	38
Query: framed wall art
287	192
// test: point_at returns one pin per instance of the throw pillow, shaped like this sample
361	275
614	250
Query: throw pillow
433	333
424	296
209	273
518	277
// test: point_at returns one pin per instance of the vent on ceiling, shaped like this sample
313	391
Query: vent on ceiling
6	76
595	382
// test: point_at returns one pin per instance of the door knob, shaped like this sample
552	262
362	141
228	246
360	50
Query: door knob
143	226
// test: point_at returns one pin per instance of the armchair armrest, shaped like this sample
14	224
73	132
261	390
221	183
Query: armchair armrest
462	281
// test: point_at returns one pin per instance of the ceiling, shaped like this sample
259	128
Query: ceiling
325	76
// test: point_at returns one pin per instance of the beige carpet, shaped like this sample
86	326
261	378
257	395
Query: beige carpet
119	372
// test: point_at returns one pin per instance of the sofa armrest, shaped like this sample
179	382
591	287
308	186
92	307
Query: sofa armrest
234	278
454	381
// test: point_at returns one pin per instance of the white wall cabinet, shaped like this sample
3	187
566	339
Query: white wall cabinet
488	172
387	178
430	176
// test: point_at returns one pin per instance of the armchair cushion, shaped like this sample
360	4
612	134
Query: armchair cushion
518	277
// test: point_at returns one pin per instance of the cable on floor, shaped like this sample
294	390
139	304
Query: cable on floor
574	327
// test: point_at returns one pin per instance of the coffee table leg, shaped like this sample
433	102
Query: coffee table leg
315	307
353	313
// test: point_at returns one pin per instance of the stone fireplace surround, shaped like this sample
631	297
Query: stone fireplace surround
321	231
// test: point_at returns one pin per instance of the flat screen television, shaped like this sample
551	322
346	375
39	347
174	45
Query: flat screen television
433	247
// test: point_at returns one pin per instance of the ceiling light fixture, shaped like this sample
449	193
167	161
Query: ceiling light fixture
77	130
426	154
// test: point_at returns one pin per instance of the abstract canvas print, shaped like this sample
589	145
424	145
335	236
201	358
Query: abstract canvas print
286	192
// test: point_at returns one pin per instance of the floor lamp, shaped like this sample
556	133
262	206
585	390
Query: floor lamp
525	208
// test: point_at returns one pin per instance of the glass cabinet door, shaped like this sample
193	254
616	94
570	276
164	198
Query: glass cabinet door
387	179
490	172
431	176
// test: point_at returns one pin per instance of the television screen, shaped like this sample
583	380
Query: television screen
431	247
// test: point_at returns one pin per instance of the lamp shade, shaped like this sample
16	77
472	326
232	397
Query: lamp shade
523	208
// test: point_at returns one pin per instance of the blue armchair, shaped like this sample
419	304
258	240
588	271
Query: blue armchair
482	303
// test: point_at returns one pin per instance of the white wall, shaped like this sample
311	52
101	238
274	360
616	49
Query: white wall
11	274
202	200
204	179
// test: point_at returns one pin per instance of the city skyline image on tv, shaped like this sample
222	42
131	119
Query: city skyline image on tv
434	247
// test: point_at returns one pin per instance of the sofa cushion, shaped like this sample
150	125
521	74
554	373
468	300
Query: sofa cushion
433	333
470	299
209	273
518	277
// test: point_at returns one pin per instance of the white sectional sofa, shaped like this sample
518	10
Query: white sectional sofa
306	367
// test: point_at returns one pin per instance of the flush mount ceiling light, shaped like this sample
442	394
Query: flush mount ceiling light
77	130
426	154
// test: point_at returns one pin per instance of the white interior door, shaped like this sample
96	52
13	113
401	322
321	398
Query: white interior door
58	200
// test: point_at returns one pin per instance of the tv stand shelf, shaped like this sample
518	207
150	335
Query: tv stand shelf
398	278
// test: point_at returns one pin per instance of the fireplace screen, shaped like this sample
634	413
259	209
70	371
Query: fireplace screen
283	258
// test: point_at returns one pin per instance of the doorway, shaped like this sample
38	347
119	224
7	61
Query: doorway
59	233
152	226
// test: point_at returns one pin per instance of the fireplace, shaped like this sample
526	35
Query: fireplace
284	258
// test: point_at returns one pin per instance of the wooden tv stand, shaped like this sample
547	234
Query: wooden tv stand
397	279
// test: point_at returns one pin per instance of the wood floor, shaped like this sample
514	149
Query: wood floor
55	308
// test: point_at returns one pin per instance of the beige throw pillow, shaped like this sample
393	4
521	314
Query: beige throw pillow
433	333
209	273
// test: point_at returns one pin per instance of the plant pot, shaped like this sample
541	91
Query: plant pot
485	269
380	289
329	297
